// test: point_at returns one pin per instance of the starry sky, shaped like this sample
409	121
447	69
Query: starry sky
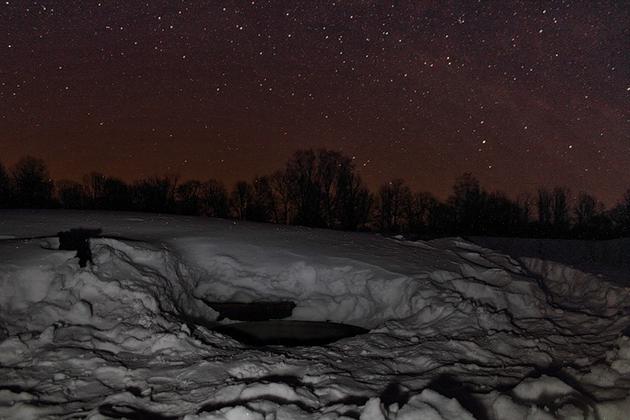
521	93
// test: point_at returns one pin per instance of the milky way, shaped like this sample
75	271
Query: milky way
522	94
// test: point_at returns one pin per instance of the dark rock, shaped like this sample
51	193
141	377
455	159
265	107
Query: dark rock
79	240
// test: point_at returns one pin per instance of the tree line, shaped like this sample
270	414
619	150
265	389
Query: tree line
321	188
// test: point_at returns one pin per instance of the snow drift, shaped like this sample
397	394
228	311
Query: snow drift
456	330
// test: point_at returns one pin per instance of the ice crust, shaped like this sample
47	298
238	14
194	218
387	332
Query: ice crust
461	331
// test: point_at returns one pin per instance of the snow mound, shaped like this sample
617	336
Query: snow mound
457	330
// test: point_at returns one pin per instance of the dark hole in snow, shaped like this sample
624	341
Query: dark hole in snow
289	333
264	325
252	311
450	387
394	393
78	240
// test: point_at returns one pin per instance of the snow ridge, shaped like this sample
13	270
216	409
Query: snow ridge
460	331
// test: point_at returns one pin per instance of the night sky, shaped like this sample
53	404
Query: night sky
521	93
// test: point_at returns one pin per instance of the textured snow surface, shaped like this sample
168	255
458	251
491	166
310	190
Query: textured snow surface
456	330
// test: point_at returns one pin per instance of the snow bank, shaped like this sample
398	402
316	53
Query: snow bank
459	330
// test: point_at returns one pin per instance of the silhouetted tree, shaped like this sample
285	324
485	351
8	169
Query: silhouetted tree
468	203
333	174
5	188
392	200
188	197
71	195
280	187
262	204
620	215
32	183
524	202
600	227
442	220
504	216
590	220
241	199
417	212
544	205
214	199
321	188
586	208
354	201
94	183
117	195
304	190
155	194
561	215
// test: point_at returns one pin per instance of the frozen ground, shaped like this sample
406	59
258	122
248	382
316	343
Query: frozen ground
456	330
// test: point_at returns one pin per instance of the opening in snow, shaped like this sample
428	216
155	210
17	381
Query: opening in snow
264	325
252	311
289	333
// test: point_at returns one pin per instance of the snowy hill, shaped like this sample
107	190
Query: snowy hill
127	336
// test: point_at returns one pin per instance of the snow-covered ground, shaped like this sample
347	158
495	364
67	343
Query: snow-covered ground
456	330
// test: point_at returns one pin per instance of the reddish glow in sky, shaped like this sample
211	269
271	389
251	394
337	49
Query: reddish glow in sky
520	93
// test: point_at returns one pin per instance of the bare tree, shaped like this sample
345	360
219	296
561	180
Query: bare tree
241	199
544	204
155	194
467	201
354	201
71	194
263	203
417	212
442	220
117	194
94	183
590	219
586	209
5	188
214	199
188	197
304	190
500	214
333	175
524	203
280	187
32	183
561	215
392	200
